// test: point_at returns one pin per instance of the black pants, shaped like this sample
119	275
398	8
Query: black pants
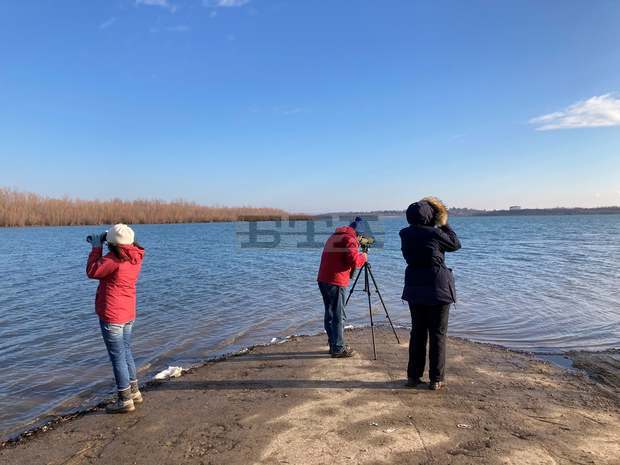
429	323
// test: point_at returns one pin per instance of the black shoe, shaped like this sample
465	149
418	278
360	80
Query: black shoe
413	382
344	353
437	385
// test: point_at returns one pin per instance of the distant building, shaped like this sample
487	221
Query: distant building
515	207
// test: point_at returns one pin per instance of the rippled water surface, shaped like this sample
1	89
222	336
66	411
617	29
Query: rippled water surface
545	284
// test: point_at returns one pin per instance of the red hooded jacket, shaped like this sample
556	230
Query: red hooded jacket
116	295
340	257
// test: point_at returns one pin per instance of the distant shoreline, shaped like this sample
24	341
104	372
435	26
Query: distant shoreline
540	212
24	209
464	212
297	217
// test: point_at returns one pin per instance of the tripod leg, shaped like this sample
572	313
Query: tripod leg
344	314
353	287
372	325
383	304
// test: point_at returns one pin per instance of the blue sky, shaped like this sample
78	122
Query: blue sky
313	105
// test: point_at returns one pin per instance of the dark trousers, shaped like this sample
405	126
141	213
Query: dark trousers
333	299
429	323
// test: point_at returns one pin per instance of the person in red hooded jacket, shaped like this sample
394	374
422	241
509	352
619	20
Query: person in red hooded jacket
115	304
340	258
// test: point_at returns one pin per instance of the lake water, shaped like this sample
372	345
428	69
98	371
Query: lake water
544	284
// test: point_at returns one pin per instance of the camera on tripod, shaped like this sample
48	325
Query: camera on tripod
366	241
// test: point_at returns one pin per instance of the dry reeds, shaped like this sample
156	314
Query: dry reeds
27	209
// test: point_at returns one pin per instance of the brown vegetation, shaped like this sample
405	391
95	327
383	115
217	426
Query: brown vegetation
28	209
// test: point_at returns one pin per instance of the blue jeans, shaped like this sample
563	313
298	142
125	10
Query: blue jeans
117	338
333	298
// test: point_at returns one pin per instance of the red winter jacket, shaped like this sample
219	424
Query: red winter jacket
116	295
340	257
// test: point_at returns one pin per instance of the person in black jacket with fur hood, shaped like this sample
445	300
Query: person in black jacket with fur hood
429	287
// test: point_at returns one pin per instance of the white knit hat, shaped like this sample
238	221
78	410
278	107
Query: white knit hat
120	234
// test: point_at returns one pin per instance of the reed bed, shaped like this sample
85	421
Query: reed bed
28	209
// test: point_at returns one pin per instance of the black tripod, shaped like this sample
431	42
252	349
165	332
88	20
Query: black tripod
368	272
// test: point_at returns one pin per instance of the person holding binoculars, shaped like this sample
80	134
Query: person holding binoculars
429	287
115	304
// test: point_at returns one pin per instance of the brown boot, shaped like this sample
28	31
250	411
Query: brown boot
136	395
344	353
123	404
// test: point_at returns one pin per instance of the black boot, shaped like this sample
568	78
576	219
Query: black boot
413	382
123	404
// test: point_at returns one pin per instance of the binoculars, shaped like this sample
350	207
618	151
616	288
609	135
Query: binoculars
104	236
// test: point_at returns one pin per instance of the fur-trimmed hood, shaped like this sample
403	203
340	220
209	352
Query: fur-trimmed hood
430	211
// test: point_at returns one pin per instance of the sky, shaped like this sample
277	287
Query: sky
313	105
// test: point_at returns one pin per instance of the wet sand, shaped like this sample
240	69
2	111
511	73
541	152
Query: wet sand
603	367
292	404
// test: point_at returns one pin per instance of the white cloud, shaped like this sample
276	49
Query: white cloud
597	111
225	3
161	3
107	24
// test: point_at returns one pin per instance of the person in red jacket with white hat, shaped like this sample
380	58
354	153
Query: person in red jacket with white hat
115	304
340	258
